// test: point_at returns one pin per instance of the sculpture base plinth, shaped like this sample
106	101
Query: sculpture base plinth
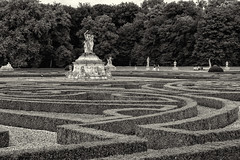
175	68
111	67
227	68
89	67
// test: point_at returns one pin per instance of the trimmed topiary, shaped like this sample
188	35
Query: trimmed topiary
215	68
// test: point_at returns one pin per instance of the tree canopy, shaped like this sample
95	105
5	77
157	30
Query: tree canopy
39	35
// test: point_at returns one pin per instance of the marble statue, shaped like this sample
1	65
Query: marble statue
89	66
110	65
175	68
109	60
148	60
88	43
227	68
209	62
7	67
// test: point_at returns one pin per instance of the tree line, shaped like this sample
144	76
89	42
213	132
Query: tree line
44	35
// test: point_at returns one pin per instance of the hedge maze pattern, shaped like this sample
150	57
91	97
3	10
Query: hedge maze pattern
125	119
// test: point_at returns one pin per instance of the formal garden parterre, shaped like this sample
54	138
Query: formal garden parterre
141	116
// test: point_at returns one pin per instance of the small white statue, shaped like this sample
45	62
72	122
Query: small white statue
209	62
7	67
227	68
135	68
110	65
175	68
148	62
147	67
175	63
109	61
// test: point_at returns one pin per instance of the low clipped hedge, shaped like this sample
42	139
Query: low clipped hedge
89	103
74	149
75	134
4	138
194	130
16	117
215	68
87	150
234	96
128	125
225	150
73	96
85	107
154	74
31	74
28	120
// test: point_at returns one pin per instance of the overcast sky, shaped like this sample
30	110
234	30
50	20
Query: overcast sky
74	3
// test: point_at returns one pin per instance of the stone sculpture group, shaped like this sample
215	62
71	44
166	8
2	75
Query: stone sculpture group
7	67
88	66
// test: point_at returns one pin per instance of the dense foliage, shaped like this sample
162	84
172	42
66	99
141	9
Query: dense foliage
39	35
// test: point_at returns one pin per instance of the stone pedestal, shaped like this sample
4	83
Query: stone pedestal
175	68
227	68
89	67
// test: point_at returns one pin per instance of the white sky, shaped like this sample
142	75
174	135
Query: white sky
74	3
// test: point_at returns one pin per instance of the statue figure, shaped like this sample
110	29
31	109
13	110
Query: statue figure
109	61
88	43
83	71
209	62
70	68
158	68
175	68
7	67
175	63
147	67
227	68
148	62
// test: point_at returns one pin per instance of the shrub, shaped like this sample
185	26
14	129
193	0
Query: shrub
215	68
4	138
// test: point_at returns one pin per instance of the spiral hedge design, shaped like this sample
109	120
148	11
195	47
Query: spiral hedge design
130	118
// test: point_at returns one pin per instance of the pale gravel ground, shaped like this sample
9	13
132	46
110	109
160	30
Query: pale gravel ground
22	138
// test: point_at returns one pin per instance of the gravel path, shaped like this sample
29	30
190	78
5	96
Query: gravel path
22	138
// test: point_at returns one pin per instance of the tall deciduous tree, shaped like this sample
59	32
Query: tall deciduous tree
169	33
125	13
218	35
32	32
130	35
105	36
